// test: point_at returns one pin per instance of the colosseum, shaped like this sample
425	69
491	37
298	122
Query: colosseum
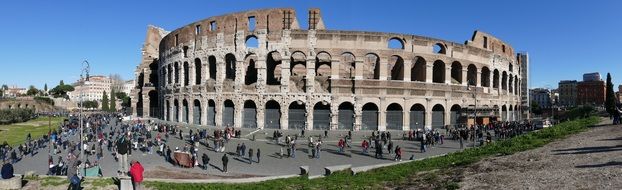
259	69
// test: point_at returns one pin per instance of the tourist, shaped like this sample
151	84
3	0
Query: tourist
225	161
243	149
365	145
258	154
398	153
390	147
293	146
7	170
250	156
136	172
340	144
123	149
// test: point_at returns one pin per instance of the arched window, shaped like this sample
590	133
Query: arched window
395	43
251	42
197	71
456	73
439	48
396	68
230	66
472	75
438	72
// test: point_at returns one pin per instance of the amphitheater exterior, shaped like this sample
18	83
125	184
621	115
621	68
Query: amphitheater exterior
259	69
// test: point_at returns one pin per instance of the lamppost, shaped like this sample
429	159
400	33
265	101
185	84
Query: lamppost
85	69
474	108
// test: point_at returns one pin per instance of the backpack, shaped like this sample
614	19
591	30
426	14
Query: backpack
75	180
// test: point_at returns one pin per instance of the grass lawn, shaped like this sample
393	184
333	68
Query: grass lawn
16	133
399	175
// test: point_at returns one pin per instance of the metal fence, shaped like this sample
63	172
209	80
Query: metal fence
296	119
395	120
321	119
211	116
250	118
417	120
438	119
370	120
196	118
227	116
272	119
345	120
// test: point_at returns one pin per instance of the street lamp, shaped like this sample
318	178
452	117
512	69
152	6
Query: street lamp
85	69
474	108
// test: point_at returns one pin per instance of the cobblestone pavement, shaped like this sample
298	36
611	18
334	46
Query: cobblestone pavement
271	163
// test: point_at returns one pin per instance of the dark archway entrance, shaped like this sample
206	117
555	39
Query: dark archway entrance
321	116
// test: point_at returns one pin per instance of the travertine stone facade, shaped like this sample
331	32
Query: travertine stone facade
259	69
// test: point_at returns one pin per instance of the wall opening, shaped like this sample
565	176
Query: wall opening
485	77
251	42
212	26
456	73
439	48
395	43
230	67
251	73
212	67
197	71
472	75
186	74
418	71
372	67
273	70
396	68
197	30
347	66
251	23
438	72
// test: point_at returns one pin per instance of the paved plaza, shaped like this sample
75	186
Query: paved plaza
271	163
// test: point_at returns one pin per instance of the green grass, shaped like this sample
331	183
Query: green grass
16	133
399	174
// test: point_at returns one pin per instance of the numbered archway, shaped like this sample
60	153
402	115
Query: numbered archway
395	117
438	116
296	113
417	117
211	113
228	113
249	115
321	116
272	117
196	111
370	117
346	116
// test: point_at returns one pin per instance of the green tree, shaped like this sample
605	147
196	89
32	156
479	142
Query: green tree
610	101
113	101
61	90
535	108
90	104
105	102
61	83
45	88
32	91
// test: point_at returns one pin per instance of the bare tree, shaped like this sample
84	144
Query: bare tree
116	82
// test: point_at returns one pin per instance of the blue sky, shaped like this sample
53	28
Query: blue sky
46	41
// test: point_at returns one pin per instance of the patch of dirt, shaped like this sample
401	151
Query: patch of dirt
589	160
168	173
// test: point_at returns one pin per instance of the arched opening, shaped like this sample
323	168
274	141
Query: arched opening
153	76
396	68
438	72
168	111
511	113
197	71
251	42
438	116
176	73
321	116
186	74
454	115
273	115
510	83
176	111
417	117
273	69
371	69
417	72
323	71
196	112
395	43
485	77
230	67
516	85
395	117
153	104
212	67
495	79
504	79
370	117
346	116
298	71
504	113
347	66
297	118
456	73
228	111
211	113
439	48
251	71
139	104
472	75
516	113
185	111
169	74
249	117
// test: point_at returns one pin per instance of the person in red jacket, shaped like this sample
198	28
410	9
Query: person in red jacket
365	146
136	172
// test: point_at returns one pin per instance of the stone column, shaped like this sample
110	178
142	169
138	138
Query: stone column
428	115
204	107
191	111
285	73
358	70
383	69
382	116
237	113
180	109
407	65
240	72
447	74
478	81
358	118
406	120
334	117
309	115
284	115
218	109
182	74
334	69
262	80
310	83
429	71
261	115
465	77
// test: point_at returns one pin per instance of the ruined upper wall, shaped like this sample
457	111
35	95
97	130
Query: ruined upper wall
489	42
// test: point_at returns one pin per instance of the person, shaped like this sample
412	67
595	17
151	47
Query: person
398	153
225	161
365	146
136	172
205	159
243	150
7	170
250	156
340	144
123	148
325	133
258	154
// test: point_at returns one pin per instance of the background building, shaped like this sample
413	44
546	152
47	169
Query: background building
523	61
591	76
91	90
127	87
567	93
541	96
591	93
14	91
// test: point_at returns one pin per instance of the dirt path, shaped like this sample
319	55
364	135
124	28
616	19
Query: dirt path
589	160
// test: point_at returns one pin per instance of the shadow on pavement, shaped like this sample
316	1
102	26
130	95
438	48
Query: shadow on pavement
588	150
612	163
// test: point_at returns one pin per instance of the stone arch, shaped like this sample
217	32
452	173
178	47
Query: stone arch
439	48
230	66
185	111
211	112
186	73
485	77
153	75
495	79
370	116
395	117
438	72
198	75
297	115
228	113
371	66
456	73
251	41
472	75
273	68
176	72
154	109
196	112
346	116
249	115
176	110
323	64
504	79
511	113
211	61
395	43
321	116
454	115
251	70
347	66
396	68
418	70
417	117
510	84
504	113
438	116
168	110
272	116
298	65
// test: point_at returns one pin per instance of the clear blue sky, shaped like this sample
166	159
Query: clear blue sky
46	41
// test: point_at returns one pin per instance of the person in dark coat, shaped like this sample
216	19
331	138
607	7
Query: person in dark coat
225	161
250	156
258	154
205	159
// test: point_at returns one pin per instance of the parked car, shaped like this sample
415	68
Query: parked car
541	124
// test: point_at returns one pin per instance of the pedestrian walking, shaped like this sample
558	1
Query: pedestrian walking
258	154
205	160
250	156
123	149
225	161
136	172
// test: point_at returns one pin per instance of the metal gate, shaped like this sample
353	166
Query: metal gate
453	118
272	119
395	120
185	114
321	119
504	115
175	114
438	119
370	120
196	119
250	118
296	119
227	116
417	120
346	120
211	115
